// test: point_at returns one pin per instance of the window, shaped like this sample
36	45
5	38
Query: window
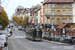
63	20
63	12
58	11
52	21
49	0
47	5
70	12
53	12
58	21
70	5
63	5
70	20
47	21
53	5
47	11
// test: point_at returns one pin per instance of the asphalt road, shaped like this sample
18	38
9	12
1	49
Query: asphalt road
18	42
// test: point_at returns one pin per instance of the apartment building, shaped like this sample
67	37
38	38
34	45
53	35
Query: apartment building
58	11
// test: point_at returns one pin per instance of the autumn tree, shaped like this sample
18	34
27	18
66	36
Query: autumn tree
4	21
25	21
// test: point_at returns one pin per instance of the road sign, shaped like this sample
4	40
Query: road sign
37	17
52	26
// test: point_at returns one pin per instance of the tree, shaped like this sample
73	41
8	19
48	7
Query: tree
25	21
4	21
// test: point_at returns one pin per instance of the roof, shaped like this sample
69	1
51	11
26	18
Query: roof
59	1
61	26
70	28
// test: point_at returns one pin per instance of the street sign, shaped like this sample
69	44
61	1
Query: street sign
37	17
52	26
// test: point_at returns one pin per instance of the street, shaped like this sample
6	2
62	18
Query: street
18	42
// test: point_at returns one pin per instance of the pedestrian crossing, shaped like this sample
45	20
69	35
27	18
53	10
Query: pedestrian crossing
13	37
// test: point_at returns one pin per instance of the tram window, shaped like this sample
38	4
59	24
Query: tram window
38	33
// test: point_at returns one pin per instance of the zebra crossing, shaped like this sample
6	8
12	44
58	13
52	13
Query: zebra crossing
13	37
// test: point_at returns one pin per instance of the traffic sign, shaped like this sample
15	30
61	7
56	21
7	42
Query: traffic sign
37	17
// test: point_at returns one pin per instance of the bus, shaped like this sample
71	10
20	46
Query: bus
34	34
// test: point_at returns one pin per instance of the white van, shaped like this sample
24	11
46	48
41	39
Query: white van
20	28
3	39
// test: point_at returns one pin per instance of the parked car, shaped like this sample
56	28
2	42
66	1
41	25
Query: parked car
56	38
71	40
67	39
3	38
9	34
64	38
23	29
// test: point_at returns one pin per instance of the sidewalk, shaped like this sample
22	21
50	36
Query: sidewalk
55	42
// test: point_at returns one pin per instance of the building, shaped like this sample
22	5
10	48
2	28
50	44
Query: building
58	11
74	12
18	11
70	31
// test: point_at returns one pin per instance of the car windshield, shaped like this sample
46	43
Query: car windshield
2	39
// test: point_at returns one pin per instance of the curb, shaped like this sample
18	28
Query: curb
56	42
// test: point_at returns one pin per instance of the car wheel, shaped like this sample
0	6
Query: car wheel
5	44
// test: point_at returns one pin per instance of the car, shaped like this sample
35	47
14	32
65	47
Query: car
64	38
9	34
3	38
10	31
71	40
20	28
56	38
23	29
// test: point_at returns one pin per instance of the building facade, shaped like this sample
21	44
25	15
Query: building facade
58	11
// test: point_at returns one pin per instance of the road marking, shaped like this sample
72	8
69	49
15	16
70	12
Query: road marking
7	48
16	37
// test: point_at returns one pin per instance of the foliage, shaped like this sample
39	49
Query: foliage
73	26
21	21
4	21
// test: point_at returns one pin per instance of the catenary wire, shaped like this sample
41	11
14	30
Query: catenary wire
2	2
7	3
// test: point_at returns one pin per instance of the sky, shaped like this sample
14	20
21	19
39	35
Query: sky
11	5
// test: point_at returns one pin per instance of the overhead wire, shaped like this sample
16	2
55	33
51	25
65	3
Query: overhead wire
2	2
7	4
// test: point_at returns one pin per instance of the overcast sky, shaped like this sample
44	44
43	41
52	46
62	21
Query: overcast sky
10	8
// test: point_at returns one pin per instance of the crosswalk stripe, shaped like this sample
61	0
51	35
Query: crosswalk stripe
16	37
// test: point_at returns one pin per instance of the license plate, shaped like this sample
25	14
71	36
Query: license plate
37	37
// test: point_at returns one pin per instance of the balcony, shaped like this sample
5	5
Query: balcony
62	8
47	15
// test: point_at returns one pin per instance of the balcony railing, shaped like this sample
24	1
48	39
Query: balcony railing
62	7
